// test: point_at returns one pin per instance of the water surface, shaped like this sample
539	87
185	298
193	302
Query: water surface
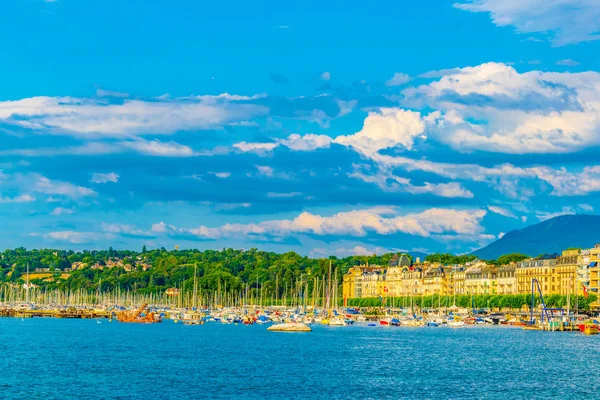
68	359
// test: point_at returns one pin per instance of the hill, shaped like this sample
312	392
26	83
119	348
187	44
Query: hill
550	236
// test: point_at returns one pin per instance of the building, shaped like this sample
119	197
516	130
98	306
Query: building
394	275
565	271
540	268
565	274
362	281
507	279
435	281
481	279
594	269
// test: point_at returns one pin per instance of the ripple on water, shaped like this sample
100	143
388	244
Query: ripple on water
47	358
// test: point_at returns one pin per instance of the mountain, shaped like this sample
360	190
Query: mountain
550	236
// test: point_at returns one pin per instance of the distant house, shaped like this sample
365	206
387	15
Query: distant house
77	265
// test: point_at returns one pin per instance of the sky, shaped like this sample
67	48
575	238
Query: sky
325	128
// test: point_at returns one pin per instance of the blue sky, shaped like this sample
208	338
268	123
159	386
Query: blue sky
339	128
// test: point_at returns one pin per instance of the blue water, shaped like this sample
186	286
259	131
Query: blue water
68	359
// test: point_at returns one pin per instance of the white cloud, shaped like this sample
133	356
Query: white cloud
23	198
307	142
124	229
398	79
387	127
222	175
275	195
158	148
294	141
568	62
72	236
98	177
492	107
160	227
358	250
325	76
567	183
61	211
109	93
230	206
265	170
384	178
381	220
544	215
44	185
586	207
97	117
502	211
137	145
568	21
255	147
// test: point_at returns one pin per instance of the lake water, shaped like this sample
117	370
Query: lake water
61	359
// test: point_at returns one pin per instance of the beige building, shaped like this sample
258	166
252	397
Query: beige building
481	279
565	272
362	281
541	269
507	279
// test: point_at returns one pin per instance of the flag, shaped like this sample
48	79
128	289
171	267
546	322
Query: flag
585	291
382	300
385	289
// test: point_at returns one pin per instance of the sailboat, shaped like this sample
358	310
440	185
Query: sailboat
335	319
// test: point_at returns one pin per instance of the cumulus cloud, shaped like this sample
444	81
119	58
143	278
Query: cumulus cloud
567	183
493	107
98	177
568	21
398	79
384	128
380	220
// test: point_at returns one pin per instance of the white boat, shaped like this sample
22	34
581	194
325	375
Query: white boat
191	318
290	327
456	324
337	321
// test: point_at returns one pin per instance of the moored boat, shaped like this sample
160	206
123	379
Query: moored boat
290	327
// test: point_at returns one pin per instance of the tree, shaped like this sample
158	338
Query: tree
510	258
